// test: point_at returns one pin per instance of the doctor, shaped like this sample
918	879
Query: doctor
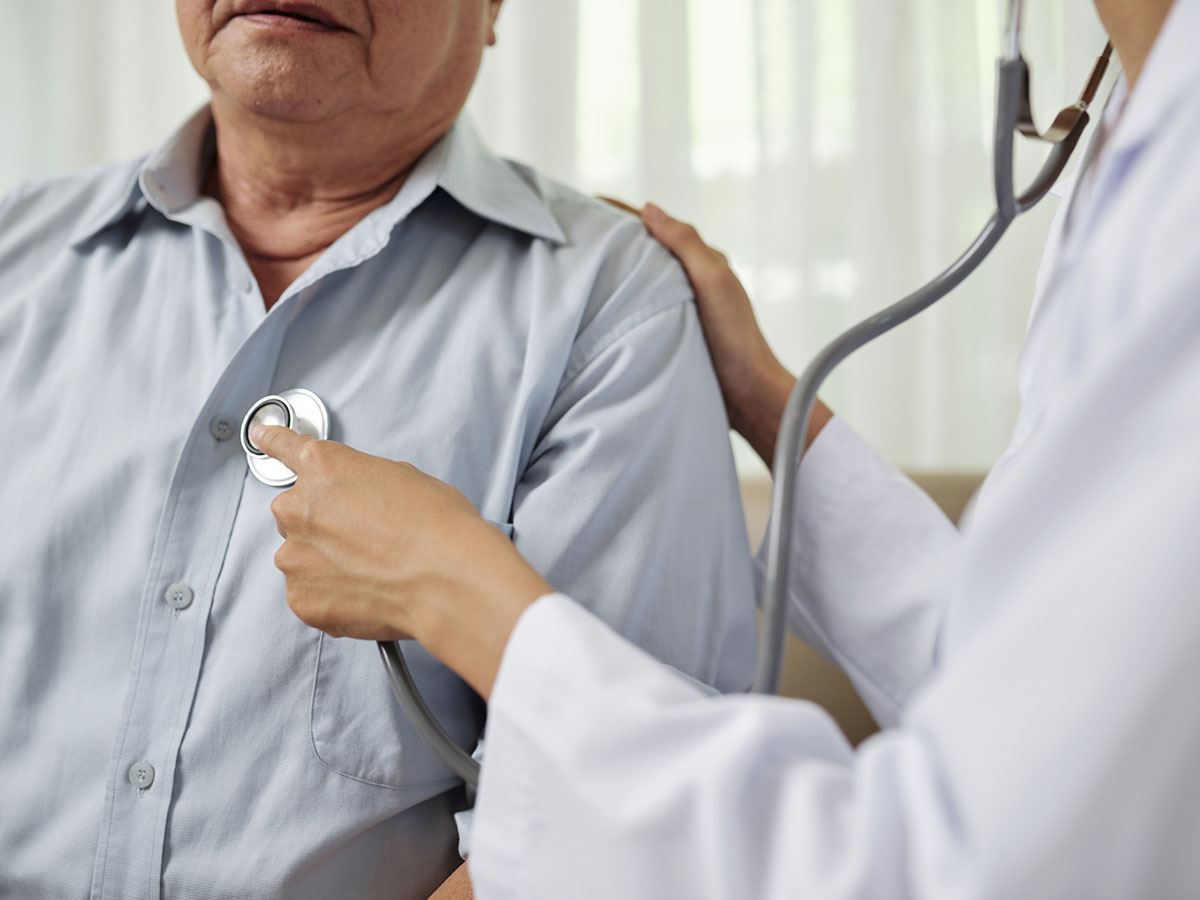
1035	677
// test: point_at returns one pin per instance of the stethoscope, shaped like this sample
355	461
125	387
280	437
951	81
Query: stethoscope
303	411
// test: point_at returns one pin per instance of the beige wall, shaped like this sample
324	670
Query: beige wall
808	675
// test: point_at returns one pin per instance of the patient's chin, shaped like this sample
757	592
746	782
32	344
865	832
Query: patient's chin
280	83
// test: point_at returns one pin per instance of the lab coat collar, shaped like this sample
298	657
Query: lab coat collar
1172	69
171	178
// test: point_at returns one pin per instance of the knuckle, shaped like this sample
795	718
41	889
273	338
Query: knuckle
725	279
313	455
706	278
297	602
715	274
305	515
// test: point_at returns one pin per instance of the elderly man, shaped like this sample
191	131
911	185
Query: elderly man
167	726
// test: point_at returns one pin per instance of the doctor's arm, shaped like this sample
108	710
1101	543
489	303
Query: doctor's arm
873	555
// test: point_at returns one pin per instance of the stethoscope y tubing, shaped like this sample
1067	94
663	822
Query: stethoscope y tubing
423	720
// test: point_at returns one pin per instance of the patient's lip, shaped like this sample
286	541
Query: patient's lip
299	10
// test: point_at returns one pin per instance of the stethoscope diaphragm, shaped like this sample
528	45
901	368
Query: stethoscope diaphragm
298	409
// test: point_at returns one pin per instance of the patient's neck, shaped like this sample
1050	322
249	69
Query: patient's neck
1133	26
289	191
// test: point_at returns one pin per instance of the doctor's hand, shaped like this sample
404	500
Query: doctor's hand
754	383
376	549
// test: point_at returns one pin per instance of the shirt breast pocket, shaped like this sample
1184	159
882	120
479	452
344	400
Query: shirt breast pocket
358	728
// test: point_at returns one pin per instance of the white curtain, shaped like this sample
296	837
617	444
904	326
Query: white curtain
88	81
837	150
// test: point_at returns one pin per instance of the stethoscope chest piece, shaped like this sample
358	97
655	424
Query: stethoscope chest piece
297	409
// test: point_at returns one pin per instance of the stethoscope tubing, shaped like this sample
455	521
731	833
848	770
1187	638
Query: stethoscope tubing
422	718
1012	83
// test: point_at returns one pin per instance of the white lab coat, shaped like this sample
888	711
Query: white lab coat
1037	678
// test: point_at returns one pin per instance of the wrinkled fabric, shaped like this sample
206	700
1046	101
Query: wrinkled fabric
532	347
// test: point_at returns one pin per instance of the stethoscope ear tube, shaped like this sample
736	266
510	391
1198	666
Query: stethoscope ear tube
1012	115
421	717
1012	79
794	425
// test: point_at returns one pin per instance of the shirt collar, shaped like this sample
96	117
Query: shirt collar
493	188
170	179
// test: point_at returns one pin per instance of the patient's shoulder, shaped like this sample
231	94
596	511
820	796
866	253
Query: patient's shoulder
590	224
44	215
629	275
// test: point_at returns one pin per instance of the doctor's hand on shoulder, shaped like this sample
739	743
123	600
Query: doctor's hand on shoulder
755	385
376	549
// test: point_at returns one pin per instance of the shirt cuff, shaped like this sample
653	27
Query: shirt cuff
465	819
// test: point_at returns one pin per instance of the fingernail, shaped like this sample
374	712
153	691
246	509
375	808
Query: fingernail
257	433
653	214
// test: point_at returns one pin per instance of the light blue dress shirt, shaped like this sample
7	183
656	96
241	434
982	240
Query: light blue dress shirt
167	726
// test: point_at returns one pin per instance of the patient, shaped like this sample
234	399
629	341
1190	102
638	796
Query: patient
330	222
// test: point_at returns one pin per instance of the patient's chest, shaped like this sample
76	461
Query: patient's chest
123	373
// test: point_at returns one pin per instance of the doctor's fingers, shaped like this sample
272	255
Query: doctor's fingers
282	507
707	268
281	443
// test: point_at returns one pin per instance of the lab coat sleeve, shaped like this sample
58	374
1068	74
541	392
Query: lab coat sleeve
872	565
1052	754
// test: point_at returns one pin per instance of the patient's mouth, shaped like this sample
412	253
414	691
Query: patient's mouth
293	16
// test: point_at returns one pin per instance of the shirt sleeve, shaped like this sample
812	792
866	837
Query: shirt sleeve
631	504
873	563
630	501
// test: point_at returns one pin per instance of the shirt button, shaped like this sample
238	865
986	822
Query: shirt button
179	596
141	775
221	428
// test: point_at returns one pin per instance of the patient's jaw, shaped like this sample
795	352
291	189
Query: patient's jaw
312	61
321	107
